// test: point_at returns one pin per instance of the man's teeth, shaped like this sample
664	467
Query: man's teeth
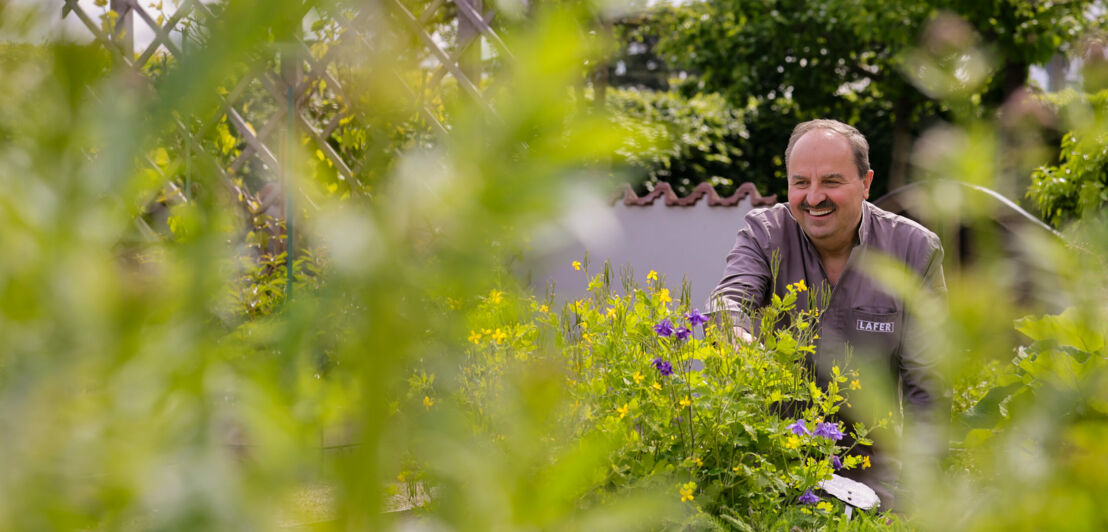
819	212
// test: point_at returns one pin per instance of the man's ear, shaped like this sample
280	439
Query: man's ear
866	182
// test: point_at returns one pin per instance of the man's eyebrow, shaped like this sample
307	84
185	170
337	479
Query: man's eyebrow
834	175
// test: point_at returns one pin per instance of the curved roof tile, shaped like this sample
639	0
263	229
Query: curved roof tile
631	199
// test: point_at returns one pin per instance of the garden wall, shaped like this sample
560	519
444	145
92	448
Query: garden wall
677	237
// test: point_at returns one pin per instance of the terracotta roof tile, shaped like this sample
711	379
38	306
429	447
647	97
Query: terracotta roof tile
631	199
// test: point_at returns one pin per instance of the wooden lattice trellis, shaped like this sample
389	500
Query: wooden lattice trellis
292	74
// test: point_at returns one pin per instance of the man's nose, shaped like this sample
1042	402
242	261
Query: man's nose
815	195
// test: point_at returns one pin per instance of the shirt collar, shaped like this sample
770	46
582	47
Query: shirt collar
863	225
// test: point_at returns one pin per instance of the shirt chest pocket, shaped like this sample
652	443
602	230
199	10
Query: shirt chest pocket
875	331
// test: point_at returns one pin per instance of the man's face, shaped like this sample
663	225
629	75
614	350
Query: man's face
825	190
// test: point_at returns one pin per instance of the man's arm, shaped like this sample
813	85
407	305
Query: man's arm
746	279
923	389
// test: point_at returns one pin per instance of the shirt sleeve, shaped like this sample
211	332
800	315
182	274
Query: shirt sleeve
747	275
922	386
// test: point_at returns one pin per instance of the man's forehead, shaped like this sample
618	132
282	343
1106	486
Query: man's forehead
820	138
820	147
822	175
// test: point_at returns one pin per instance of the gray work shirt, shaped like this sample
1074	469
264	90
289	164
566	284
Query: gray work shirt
872	320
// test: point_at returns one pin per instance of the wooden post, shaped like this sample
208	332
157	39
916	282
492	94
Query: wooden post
470	62
123	32
602	78
290	73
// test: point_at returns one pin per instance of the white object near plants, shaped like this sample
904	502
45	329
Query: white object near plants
851	492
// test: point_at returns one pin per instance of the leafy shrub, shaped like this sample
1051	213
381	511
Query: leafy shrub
683	140
1043	423
684	411
1078	185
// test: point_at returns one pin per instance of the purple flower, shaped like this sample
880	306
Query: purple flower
799	428
829	431
663	367
682	333
696	318
665	328
836	463
808	497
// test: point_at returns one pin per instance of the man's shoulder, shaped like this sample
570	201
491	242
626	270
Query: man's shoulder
770	218
901	228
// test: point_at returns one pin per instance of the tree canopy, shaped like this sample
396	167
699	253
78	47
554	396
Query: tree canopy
793	60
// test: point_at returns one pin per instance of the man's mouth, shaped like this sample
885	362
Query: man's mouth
822	209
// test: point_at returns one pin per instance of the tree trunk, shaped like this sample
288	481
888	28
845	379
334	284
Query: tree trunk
1015	76
901	144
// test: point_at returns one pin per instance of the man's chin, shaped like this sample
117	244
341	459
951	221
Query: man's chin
818	231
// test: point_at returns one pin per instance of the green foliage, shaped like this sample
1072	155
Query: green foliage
710	436
687	140
164	381
1061	375
1077	187
789	61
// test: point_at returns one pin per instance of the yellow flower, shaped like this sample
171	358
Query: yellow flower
855	384
544	308
428	402
793	442
686	402
687	491
638	377
495	297
825	506
611	313
815	337
736	469
454	304
475	337
663	296
865	462
400	477
815	391
652	276
657	386
577	265
499	336
801	286
699	462
623	411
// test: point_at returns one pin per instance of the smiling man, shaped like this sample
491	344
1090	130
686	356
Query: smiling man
822	236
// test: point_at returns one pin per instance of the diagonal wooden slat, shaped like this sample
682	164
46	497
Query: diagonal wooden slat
161	35
358	26
444	58
244	197
267	130
274	87
98	36
429	12
251	138
441	71
482	25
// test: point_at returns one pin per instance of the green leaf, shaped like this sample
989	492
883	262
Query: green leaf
990	408
1067	329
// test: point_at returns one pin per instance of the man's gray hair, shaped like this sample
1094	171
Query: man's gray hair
857	141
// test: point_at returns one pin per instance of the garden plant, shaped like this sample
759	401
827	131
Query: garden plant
179	351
